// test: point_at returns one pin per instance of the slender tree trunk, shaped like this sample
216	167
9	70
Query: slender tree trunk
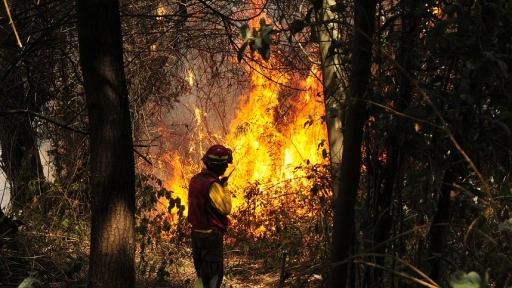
394	154
334	94
447	200
112	250
440	224
384	202
343	230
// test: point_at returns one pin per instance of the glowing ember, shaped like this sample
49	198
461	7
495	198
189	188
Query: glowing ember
160	11
190	78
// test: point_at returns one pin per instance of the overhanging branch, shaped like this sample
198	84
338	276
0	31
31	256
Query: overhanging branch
57	123
47	119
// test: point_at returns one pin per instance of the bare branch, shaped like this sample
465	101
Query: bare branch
12	23
55	122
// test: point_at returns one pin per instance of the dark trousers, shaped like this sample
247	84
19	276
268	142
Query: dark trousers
208	256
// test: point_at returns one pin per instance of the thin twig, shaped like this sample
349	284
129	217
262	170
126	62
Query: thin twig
43	117
424	283
142	156
12	23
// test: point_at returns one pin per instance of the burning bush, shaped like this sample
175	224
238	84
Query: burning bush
293	217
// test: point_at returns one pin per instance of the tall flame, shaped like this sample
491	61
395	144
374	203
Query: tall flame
267	143
273	132
266	148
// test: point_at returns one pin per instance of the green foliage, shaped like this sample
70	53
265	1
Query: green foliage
470	280
153	219
31	281
198	283
161	232
505	225
259	40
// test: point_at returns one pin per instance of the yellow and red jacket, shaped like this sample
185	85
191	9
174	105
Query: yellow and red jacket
208	203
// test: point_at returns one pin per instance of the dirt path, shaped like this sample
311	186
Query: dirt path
240	272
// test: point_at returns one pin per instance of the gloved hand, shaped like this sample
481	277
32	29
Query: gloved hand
224	181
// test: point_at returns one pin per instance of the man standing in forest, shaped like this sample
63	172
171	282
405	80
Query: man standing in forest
209	203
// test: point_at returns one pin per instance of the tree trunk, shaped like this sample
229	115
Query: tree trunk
334	96
112	250
446	203
343	230
440	224
394	152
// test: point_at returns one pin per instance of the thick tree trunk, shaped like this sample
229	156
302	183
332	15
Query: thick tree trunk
343	230
334	94
112	248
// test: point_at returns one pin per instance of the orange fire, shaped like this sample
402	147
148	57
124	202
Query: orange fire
267	146
267	142
267	151
190	79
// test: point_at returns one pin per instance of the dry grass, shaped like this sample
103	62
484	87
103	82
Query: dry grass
55	257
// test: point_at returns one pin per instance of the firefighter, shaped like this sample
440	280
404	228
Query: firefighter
209	204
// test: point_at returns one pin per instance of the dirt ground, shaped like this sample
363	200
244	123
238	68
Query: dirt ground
243	273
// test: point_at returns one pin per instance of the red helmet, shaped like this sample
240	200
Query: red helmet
217	155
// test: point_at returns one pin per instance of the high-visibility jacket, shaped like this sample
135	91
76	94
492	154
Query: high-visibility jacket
208	206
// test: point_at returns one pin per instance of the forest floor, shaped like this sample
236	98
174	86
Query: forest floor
241	272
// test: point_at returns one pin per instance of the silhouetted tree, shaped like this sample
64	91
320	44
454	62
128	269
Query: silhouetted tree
112	251
343	225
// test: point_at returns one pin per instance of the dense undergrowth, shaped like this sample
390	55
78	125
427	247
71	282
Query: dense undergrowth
281	229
